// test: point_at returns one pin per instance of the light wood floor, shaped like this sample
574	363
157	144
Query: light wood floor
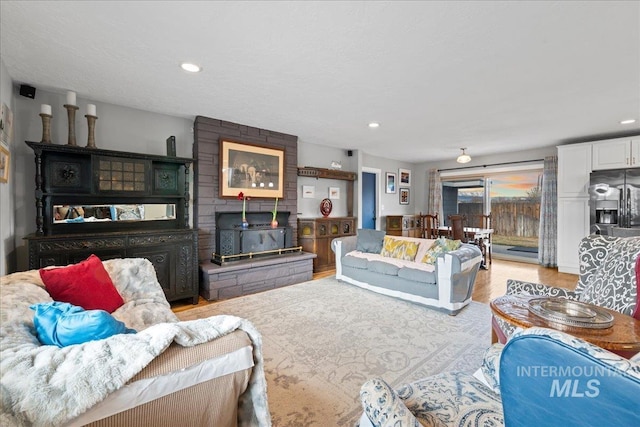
490	283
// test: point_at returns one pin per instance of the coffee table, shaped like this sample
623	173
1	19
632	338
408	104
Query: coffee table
623	337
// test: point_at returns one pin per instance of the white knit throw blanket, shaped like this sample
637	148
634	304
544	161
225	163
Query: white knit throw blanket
49	386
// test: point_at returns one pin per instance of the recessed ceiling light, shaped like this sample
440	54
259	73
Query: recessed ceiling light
374	125
627	122
192	68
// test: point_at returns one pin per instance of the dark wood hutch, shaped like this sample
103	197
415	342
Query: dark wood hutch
315	234
123	205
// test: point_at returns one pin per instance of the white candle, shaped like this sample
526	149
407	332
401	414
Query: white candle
91	110
45	109
71	98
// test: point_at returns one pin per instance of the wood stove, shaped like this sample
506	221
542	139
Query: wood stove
234	243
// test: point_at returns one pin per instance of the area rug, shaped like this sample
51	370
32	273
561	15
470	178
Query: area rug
323	339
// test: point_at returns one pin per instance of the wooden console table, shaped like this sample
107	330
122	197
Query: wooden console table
623	337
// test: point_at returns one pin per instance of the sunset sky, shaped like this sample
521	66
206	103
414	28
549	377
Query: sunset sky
515	185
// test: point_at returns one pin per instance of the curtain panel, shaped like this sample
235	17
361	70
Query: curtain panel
548	231
434	202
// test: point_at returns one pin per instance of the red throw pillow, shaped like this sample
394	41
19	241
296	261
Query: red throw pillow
86	284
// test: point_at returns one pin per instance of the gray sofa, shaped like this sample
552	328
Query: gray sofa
446	285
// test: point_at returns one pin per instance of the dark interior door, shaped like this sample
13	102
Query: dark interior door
369	200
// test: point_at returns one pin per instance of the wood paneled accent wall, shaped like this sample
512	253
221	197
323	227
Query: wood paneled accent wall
207	134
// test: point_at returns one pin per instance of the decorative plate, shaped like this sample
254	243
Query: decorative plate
325	207
570	313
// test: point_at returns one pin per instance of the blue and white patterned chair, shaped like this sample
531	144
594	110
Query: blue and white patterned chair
541	377
609	270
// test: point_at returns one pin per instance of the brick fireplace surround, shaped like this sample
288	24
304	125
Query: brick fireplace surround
243	277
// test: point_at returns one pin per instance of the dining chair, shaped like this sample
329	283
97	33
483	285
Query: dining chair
430	226
484	221
456	227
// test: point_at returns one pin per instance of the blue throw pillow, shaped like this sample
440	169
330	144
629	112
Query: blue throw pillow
369	241
63	324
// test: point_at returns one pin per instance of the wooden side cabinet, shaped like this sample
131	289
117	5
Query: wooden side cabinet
172	253
404	225
315	236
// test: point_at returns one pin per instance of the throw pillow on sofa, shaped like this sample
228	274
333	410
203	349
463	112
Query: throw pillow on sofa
399	249
63	324
86	284
369	241
442	245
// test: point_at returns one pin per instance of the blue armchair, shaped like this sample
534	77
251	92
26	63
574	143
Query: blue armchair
540	377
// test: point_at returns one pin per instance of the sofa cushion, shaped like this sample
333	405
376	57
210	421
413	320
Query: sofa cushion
383	267
441	245
369	241
614	283
63	324
416	275
400	249
355	262
86	284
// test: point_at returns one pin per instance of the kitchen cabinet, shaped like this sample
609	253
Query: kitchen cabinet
574	167
573	225
616	154
315	236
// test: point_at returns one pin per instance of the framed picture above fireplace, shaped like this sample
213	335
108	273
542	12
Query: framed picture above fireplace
254	170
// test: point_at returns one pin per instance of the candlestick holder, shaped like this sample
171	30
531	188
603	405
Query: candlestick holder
71	113
91	122
46	128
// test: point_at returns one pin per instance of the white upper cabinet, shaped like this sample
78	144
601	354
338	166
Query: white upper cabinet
616	154
574	167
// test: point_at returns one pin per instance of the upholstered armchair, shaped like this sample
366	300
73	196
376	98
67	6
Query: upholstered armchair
540	377
609	270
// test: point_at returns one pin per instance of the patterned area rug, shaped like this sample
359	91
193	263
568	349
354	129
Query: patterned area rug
323	339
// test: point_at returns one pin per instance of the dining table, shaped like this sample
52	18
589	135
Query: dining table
475	235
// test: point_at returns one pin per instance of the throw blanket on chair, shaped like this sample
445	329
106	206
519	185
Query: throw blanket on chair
49	386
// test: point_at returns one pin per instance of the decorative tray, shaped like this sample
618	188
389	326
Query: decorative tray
570	313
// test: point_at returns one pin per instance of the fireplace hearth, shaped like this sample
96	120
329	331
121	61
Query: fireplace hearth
234	243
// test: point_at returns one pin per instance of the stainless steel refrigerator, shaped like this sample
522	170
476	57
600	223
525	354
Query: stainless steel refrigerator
615	201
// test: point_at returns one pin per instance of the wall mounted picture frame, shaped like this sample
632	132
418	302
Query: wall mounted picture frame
6	124
254	170
334	193
390	180
404	176
5	162
308	192
404	196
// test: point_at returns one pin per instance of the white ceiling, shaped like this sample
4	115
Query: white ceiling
490	76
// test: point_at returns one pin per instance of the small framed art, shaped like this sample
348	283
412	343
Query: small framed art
391	183
5	161
405	176
404	196
334	193
308	191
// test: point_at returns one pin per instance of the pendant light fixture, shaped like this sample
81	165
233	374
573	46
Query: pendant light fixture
464	157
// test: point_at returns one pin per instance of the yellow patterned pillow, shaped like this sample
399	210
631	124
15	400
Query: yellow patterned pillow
399	249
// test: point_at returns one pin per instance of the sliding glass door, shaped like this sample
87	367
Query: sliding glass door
512	197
